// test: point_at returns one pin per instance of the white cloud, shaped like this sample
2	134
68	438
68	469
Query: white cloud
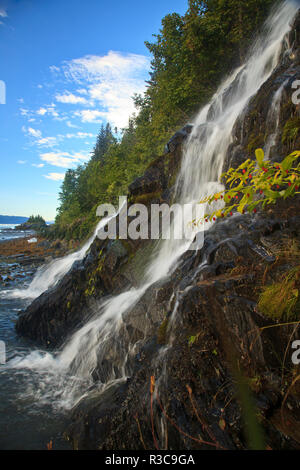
82	135
47	141
3	13
22	162
113	65
82	91
110	82
39	139
70	98
78	135
70	124
64	159
33	132
24	112
90	115
54	69
55	176
42	111
38	165
49	109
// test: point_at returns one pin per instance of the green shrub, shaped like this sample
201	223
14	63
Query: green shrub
255	183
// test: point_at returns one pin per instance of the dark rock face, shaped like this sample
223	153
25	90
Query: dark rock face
150	182
55	314
178	138
159	178
199	333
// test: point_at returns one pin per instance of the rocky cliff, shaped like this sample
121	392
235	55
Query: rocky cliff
199	334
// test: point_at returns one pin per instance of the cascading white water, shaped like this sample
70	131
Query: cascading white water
273	116
68	374
50	274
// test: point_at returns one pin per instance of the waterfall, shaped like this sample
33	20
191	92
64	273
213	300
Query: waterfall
68	374
50	274
273	117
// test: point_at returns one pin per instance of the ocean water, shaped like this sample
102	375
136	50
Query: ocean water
24	426
7	232
7	226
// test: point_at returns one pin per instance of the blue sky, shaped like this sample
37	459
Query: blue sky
68	66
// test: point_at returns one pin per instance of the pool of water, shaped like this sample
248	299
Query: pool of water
25	421
8	232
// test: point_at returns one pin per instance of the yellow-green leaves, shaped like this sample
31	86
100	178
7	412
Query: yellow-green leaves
259	153
254	183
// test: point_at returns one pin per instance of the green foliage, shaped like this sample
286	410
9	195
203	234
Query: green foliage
36	220
280	300
255	183
255	141
253	430
37	223
193	339
104	140
145	198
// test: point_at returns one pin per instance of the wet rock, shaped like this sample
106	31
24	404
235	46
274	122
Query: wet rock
178	138
151	182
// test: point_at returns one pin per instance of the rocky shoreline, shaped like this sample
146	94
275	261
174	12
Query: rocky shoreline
20	253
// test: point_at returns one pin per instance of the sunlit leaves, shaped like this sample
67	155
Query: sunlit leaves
256	183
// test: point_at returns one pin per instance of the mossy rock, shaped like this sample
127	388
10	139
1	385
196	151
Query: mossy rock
146	198
255	141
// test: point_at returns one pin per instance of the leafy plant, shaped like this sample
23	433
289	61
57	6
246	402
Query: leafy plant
255	183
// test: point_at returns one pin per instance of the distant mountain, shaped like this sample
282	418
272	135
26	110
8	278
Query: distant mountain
12	219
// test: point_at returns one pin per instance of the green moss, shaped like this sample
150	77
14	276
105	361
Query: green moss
89	291
144	198
162	332
291	131
69	305
255	141
280	300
